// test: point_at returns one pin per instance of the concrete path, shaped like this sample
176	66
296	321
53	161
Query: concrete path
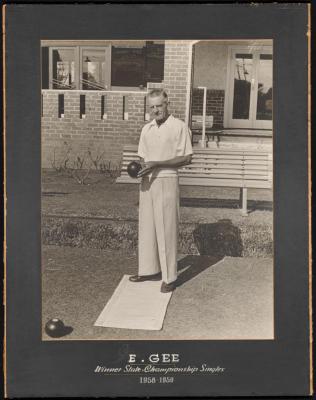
217	298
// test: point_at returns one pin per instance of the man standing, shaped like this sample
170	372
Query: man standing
164	146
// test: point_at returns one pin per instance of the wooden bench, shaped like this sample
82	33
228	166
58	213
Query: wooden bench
226	168
197	121
197	127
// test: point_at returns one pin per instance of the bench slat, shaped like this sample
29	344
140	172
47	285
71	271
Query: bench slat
225	161
224	183
231	151
218	175
218	167
134	148
243	167
232	175
208	182
223	171
214	156
218	171
130	155
234	160
227	156
225	176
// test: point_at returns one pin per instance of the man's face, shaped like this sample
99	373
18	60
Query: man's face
158	107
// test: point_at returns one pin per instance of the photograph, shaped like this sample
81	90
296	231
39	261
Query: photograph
157	189
157	176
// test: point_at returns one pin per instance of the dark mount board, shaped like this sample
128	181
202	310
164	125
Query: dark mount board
66	368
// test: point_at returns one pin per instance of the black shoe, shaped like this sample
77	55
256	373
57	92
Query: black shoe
143	278
168	287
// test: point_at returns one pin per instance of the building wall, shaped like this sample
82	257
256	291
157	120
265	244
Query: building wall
176	75
210	71
104	137
214	105
210	61
74	136
210	65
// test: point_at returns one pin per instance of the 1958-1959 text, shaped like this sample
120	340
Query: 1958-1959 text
153	379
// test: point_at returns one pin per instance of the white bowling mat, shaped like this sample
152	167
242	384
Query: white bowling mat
135	306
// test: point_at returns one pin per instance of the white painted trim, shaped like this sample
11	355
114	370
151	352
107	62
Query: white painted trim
264	124
143	92
50	68
50	63
229	122
228	91
189	83
107	57
227	88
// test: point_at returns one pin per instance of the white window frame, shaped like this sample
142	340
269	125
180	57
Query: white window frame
255	50
50	64
108	60
78	50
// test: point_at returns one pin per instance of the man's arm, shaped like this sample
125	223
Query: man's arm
175	162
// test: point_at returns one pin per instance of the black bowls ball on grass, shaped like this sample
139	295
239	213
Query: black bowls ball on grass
133	169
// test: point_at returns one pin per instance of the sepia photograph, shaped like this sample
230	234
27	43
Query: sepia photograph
157	200
157	189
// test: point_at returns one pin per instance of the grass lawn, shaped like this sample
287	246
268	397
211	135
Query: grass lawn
102	197
103	214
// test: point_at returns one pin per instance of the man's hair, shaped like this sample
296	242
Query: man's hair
158	92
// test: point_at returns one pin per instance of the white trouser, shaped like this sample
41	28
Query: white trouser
158	227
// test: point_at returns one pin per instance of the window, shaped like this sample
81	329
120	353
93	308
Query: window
128	65
249	87
94	68
135	67
63	68
102	67
155	58
264	102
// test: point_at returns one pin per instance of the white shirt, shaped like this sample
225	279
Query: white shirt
160	143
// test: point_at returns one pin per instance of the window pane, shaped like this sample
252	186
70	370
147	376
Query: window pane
45	68
154	64
242	85
133	67
93	69
64	69
128	65
264	104
265	56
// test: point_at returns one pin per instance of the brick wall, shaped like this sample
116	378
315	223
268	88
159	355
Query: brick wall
108	136
214	105
100	136
176	75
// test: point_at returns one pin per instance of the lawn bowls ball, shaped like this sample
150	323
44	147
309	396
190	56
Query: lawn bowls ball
55	328
133	169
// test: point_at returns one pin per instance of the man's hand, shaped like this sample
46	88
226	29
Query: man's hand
147	167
